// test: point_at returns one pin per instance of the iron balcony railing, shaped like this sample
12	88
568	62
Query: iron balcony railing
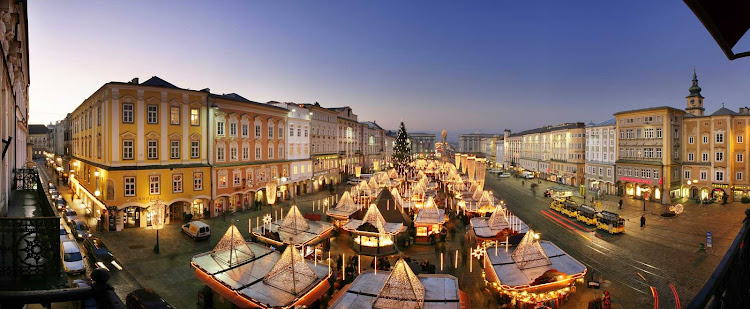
729	285
100	290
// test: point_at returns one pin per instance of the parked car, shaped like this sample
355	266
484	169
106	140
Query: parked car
197	230
80	230
61	203
72	257
99	254
88	303
64	235
70	215
145	299
503	175
53	191
354	181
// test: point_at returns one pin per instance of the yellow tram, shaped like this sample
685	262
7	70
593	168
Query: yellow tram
610	222
557	204
569	209
587	215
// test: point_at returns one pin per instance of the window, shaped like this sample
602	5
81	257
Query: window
245	130
739	157
719	156
127	149
232	129
222	181
257	131
656	175
601	170
299	132
237	180
220	153
281	132
270	151
129	186
233	153
719	176
152	149
245	152
658	133
719	137
195	117
270	131
153	184
220	128
305	131
739	138
691	140
257	152
176	183
704	175
291	130
738	176
153	113
687	174
197	181
127	113
690	156
195	149
705	139
281	151
174	149
174	115
705	157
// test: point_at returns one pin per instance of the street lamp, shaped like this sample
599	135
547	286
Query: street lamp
157	221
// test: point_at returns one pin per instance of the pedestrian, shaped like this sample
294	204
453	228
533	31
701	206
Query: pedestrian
620	204
224	215
592	200
643	220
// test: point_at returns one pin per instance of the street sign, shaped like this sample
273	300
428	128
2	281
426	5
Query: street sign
709	241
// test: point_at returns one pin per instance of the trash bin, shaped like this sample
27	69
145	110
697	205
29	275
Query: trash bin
205	298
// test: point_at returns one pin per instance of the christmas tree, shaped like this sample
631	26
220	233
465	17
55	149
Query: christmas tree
401	149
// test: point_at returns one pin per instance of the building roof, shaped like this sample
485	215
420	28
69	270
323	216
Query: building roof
238	98
723	111
156	81
649	109
372	125
609	122
421	134
38	129
562	126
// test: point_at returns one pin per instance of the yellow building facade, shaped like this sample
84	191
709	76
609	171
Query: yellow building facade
139	148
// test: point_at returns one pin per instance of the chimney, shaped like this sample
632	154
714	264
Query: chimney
134	81
206	90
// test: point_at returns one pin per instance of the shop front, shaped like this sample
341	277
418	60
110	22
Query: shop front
739	192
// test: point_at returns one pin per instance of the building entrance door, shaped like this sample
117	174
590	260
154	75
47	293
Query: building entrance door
132	217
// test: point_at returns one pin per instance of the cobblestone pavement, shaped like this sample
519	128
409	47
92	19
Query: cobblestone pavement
665	252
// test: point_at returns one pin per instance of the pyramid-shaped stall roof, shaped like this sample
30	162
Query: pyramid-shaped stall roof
430	210
498	220
291	273
232	249
294	222
529	253
346	203
402	289
390	209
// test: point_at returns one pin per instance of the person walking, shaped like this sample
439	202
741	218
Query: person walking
620	204
643	220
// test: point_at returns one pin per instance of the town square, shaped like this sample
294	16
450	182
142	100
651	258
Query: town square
351	155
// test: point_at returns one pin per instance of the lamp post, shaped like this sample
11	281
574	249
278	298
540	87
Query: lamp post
157	221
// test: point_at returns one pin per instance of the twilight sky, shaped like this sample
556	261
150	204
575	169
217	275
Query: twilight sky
480	66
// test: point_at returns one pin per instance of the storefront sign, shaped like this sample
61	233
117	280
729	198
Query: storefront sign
636	180
720	185
142	199
741	187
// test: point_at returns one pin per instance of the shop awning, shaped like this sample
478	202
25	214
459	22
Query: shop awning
726	21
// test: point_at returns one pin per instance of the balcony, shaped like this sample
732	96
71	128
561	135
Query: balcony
728	285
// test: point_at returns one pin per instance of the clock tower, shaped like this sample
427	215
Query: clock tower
695	99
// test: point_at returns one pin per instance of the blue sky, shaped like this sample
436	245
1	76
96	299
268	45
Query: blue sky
461	66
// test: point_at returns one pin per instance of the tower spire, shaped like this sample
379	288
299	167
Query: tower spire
695	90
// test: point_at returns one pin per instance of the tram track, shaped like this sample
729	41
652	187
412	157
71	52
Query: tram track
658	278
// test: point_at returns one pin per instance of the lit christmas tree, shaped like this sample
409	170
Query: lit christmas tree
401	149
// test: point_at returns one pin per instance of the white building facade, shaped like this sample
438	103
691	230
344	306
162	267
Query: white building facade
601	143
299	121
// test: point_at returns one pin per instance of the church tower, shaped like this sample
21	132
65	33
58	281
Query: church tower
695	99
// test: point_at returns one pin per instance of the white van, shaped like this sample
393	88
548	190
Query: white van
527	175
72	257
197	230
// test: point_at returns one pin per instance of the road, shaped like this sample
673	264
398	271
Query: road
663	254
